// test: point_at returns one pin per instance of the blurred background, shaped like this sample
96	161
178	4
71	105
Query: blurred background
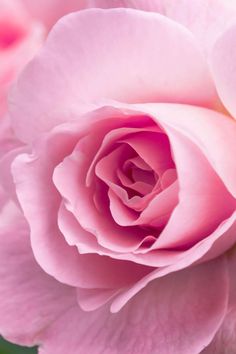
8	348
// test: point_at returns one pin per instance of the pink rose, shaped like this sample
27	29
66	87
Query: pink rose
20	37
126	182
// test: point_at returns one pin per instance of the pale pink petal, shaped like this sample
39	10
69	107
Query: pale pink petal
183	260
39	200
223	63
6	177
92	299
203	199
168	55
225	340
177	314
207	130
160	208
7	137
231	267
74	233
30	300
206	19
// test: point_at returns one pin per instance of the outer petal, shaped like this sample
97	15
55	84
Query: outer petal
29	299
225	340
168	66
223	63
206	19
177	314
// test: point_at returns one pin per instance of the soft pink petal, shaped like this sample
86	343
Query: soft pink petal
177	314
39	200
144	73
231	268
74	233
206	19
7	137
91	299
30	300
225	339
203	199
160	208
223	63
6	177
198	253
207	129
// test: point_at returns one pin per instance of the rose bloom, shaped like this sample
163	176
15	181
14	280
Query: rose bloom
118	205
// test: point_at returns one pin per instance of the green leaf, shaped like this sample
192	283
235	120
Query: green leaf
9	348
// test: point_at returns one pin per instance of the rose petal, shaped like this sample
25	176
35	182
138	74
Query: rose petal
182	260
178	314
224	341
223	58
206	20
150	71
91	299
207	130
203	199
30	300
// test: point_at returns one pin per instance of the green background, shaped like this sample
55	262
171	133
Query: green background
8	348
